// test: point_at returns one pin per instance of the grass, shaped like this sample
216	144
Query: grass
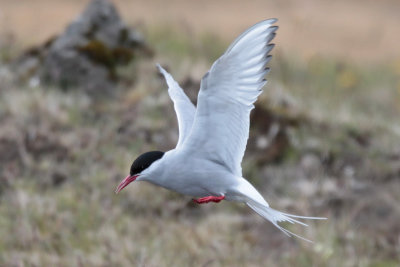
69	151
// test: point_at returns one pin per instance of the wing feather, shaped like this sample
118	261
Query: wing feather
184	108
227	93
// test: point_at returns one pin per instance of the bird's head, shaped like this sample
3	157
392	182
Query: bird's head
139	165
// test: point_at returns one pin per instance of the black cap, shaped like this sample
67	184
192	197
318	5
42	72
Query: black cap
144	161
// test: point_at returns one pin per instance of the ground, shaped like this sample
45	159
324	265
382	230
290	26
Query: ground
323	142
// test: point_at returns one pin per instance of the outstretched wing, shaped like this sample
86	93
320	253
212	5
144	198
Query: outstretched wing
227	93
184	108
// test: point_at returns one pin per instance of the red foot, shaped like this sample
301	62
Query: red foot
208	199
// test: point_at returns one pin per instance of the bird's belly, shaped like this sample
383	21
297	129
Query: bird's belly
193	191
199	184
194	176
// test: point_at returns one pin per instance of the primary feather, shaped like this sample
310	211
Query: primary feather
221	125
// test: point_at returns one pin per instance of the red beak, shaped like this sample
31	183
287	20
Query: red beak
129	179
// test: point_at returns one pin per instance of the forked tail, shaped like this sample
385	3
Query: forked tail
249	195
276	217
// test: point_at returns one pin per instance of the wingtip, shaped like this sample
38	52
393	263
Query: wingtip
159	67
162	70
274	28
270	46
273	20
269	21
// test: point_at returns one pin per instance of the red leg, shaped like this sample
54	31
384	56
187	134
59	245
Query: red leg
208	199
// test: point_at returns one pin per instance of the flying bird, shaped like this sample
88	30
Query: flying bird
206	162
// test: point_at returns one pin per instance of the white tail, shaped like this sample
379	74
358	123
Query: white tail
249	195
276	217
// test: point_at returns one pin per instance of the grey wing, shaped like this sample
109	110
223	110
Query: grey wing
227	93
184	108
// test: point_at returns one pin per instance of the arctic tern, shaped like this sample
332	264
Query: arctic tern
206	162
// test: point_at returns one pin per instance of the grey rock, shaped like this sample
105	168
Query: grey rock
87	54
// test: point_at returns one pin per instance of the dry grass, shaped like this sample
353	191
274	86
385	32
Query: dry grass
62	154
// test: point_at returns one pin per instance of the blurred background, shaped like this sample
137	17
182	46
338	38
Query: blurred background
80	98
